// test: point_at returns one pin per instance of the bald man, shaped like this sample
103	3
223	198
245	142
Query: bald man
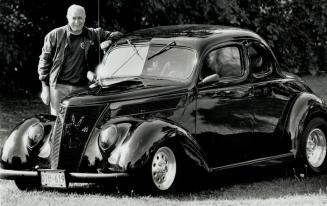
68	53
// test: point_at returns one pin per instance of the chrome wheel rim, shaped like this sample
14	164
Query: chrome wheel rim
316	147
163	168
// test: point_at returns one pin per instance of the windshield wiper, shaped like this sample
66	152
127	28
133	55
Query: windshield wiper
134	48
165	48
127	60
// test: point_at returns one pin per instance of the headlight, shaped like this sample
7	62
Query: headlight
35	134
108	137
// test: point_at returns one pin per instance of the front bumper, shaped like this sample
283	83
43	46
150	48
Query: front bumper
72	176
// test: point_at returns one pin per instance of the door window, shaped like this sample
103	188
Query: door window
223	62
259	60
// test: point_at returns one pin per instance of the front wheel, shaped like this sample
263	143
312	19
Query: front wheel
313	147
164	169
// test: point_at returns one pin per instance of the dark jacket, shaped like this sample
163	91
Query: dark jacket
55	44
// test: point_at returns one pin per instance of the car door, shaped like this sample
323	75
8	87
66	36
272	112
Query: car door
270	98
224	114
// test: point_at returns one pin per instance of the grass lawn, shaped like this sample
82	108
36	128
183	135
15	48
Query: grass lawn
318	85
246	186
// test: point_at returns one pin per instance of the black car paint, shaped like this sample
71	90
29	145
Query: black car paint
229	124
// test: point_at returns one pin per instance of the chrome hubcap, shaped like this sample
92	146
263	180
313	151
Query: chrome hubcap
316	147
163	168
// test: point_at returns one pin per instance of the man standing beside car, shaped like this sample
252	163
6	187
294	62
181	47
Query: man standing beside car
68	53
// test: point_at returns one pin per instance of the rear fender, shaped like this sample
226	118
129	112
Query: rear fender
305	107
16	153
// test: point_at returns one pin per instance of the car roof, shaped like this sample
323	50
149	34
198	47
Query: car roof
192	35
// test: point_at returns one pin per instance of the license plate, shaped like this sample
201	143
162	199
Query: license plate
53	178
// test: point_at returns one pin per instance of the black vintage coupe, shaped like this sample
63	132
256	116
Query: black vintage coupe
166	101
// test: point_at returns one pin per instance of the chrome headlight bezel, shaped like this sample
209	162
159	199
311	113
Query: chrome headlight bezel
34	134
108	137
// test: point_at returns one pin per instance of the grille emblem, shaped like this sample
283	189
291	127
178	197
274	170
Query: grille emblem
74	129
85	129
75	125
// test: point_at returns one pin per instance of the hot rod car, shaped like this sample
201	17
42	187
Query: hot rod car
169	99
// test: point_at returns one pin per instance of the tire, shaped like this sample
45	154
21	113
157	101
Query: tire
313	145
28	185
161	174
164	169
178	175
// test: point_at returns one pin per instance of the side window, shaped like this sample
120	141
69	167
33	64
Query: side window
223	62
259	60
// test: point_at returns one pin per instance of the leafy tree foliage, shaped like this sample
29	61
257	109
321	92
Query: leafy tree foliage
295	29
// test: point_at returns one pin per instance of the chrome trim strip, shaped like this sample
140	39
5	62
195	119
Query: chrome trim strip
95	176
14	174
250	162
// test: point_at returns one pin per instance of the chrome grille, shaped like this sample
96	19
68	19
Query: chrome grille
56	138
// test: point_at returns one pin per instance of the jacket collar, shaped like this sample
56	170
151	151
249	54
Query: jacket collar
68	33
68	30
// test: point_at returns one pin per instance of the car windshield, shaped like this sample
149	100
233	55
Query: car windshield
132	60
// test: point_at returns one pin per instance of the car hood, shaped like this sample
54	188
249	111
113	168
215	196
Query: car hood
119	89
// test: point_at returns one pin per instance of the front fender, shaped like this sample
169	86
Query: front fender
305	107
15	152
144	138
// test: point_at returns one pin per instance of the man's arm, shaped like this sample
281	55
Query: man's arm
45	59
106	37
45	63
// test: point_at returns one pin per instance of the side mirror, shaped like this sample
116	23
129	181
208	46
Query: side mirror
209	79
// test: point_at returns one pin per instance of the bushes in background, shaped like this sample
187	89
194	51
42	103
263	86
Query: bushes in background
295	29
